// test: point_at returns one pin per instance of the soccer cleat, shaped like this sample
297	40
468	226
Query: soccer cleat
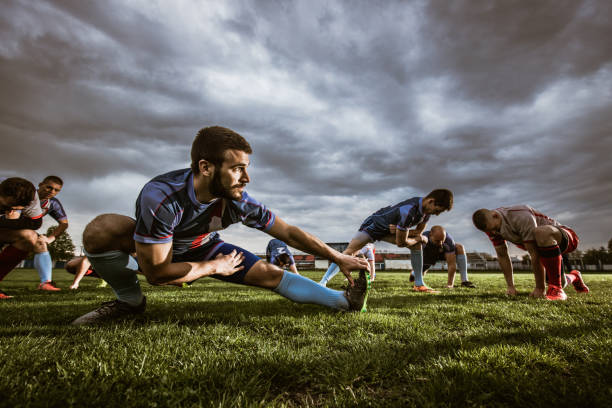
555	293
48	285
113	310
357	295
411	278
3	295
578	283
468	284
424	289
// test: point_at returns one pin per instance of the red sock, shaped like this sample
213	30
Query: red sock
9	259
570	278
550	257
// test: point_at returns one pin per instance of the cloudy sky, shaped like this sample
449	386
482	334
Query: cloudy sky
349	106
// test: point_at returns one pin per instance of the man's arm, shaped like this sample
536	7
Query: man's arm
59	230
506	266
156	263
81	269
302	240
409	238
539	273
451	261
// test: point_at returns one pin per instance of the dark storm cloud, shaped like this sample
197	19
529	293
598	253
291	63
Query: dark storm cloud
349	106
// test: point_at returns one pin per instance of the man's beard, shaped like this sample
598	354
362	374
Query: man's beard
218	190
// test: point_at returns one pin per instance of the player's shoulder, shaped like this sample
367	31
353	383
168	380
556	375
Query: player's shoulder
166	187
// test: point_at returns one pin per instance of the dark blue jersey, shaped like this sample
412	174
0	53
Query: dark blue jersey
403	215
275	248
53	207
168	211
448	246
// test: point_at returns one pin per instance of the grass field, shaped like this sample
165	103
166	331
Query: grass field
216	344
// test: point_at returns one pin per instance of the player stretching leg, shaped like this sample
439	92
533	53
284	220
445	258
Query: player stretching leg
20	216
175	235
47	190
400	217
544	238
442	247
278	253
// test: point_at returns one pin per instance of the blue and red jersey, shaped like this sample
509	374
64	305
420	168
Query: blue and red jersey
167	211
403	215
54	208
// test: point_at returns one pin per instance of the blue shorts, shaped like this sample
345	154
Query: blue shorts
221	247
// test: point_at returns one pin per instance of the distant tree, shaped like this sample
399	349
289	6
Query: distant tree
62	249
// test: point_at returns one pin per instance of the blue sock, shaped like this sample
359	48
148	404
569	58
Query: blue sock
462	265
303	290
44	266
331	272
119	270
416	259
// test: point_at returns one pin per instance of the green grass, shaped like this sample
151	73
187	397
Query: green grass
216	344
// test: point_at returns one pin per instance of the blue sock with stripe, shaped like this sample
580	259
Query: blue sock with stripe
303	290
331	272
44	266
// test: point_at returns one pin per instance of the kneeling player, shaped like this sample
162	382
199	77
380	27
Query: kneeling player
80	267
544	238
441	247
20	216
402	216
175	235
278	253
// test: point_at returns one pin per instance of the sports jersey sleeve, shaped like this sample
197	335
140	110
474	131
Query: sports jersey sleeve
449	245
254	214
155	217
33	210
56	211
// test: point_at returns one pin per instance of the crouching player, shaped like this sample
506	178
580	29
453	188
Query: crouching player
175	235
20	216
80	267
442	247
278	253
409	213
544	238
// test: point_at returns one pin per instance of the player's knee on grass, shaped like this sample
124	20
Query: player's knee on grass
264	275
546	235
109	232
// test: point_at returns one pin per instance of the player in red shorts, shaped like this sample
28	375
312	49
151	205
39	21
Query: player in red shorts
544	238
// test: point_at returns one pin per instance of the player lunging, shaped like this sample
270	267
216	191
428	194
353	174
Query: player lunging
414	212
175	235
544	238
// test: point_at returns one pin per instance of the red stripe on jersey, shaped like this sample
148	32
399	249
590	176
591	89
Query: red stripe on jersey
198	241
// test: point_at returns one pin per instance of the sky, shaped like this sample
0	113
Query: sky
348	106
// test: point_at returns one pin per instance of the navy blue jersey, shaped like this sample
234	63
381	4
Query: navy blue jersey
403	215
168	211
53	207
448	246
275	248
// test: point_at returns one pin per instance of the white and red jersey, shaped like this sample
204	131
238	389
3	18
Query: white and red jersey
518	225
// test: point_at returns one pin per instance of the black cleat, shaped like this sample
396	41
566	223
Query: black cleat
468	284
113	310
357	295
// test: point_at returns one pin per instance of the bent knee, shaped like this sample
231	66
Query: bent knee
28	238
544	234
459	249
109	232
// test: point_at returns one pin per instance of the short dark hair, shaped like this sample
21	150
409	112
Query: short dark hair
54	179
479	218
211	143
20	190
442	198
283	259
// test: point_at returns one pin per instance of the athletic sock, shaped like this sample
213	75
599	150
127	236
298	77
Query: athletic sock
570	278
9	259
44	266
416	259
331	272
462	265
550	257
303	290
119	270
